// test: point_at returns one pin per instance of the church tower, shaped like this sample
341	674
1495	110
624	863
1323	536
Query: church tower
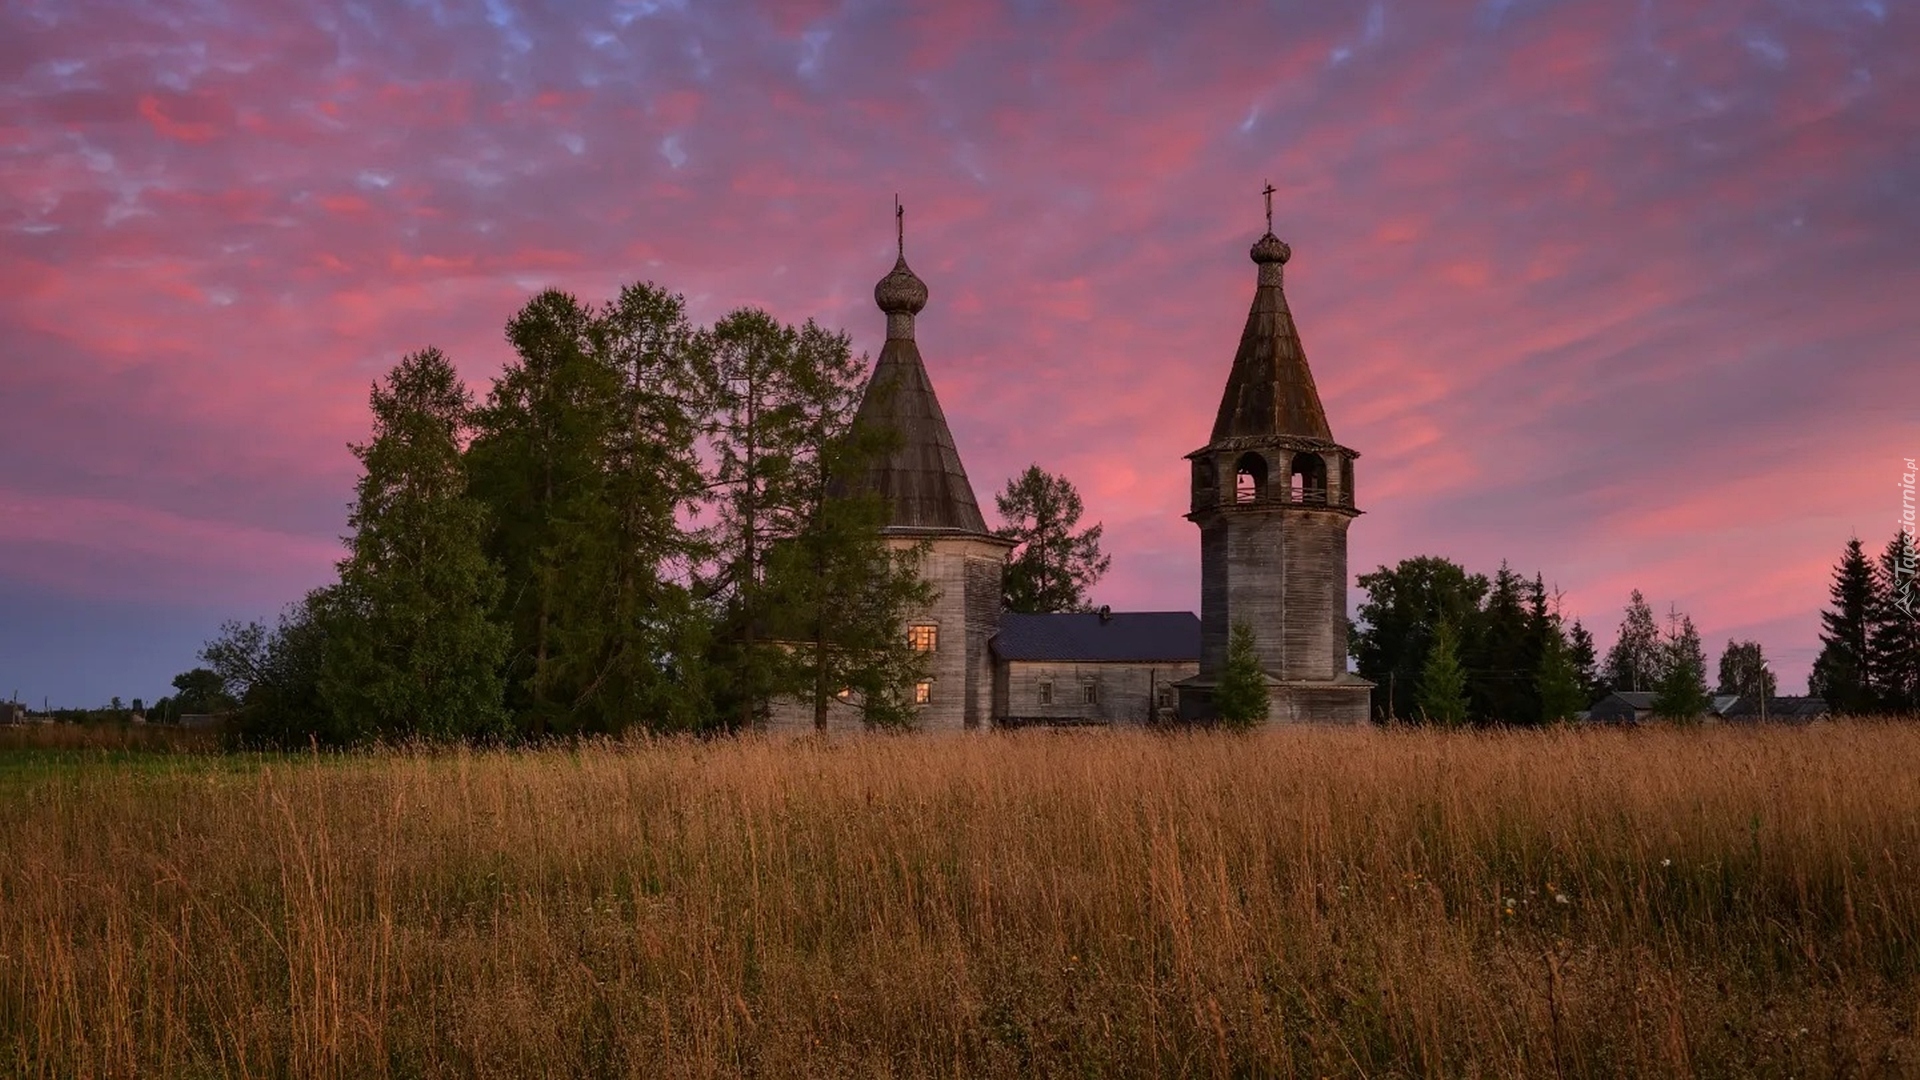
929	500
1273	496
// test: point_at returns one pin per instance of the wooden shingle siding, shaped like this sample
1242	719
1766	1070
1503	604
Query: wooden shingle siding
1124	693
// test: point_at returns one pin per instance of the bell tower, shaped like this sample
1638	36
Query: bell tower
1273	495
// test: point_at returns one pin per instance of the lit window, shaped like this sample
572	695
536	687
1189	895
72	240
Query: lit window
923	638
845	694
1087	695
923	691
1046	693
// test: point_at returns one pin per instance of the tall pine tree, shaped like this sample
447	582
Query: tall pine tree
412	651
1893	629
1840	671
1053	565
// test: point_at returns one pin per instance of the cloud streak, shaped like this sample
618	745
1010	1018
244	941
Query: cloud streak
1616	292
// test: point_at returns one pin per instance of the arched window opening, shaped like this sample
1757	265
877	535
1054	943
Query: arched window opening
1308	479
1250	478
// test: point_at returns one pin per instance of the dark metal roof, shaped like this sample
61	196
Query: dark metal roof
1084	636
1778	708
1270	390
922	480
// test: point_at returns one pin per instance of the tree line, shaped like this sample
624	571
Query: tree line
1448	646
643	522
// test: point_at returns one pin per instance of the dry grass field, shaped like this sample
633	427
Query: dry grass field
1709	902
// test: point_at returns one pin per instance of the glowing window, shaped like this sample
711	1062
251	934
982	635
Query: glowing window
923	691
845	694
924	637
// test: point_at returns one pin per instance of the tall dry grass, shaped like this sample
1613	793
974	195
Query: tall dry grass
1658	902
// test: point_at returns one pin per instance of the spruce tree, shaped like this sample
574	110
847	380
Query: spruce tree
1442	697
1496	654
1557	681
1053	565
1840	671
1586	663
1635	661
1893	629
1242	698
1681	693
1403	606
412	650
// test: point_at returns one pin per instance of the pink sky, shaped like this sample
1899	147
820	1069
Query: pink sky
1623	293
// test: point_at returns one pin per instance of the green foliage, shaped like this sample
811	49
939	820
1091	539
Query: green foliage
585	455
1635	663
1242	698
1840	671
1404	608
1681	693
813	601
1893	629
1500	669
1443	682
275	672
413	651
1586	663
1052	566
1743	671
1557	678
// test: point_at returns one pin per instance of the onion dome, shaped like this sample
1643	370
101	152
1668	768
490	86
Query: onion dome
1270	249
901	292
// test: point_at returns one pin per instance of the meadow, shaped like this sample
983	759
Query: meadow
1660	901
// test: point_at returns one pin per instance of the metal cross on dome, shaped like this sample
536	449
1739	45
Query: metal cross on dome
900	225
1268	192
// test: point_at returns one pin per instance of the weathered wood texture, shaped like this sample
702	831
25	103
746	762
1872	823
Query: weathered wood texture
1284	572
1124	693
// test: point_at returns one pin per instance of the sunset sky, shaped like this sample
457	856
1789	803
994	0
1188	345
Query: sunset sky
1624	292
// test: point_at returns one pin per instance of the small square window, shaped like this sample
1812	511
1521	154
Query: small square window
1046	693
923	691
924	637
845	694
1166	697
1088	696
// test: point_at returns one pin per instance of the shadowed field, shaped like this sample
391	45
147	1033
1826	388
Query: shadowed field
1712	902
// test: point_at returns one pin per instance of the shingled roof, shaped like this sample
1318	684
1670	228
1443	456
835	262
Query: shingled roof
922	480
1270	390
1139	637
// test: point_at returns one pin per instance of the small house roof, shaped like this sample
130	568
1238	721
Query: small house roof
1139	637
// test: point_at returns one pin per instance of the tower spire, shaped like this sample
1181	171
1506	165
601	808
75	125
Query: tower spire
900	224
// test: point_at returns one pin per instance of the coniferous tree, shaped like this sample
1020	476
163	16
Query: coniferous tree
412	649
538	462
1840	671
1557	678
1681	693
1052	566
1635	663
1442	697
813	598
1893	629
1241	698
1743	671
1586	663
1397	621
1499	670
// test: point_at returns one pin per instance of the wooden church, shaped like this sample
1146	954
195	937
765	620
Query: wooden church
1272	494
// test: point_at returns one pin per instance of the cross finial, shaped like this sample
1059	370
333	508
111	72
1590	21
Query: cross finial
900	225
1268	192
